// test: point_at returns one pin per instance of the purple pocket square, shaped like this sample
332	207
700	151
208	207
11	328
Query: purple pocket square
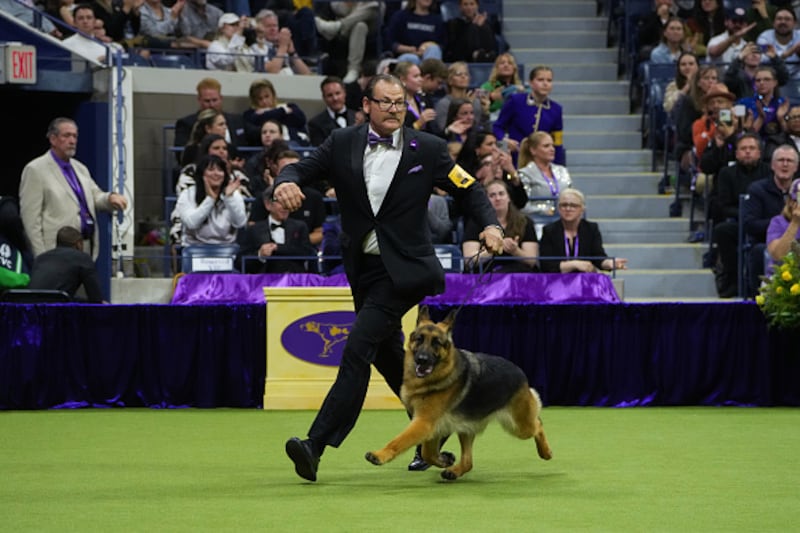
415	169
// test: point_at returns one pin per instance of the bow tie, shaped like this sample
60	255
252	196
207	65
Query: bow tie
273	226
343	115
374	140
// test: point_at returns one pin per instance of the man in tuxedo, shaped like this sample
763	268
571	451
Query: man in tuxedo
209	96
277	235
335	115
383	174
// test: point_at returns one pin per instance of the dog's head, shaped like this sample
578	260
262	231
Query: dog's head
431	342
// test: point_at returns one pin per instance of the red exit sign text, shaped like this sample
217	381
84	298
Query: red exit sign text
19	64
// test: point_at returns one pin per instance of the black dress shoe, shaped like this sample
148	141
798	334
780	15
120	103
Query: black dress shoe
418	464
302	455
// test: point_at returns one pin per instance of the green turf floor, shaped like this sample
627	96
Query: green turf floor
638	469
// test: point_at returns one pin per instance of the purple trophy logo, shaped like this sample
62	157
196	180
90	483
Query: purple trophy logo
319	339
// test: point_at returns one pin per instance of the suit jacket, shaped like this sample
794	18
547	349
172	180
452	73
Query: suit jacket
321	125
66	269
296	244
590	244
401	224
183	129
47	202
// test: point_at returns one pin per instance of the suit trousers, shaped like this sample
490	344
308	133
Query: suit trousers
376	338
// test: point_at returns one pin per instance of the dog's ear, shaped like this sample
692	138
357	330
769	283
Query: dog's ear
449	320
423	314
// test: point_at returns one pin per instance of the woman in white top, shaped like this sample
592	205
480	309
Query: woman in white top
223	51
539	175
212	211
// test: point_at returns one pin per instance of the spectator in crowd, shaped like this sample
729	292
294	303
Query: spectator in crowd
525	113
209	96
706	21
503	81
26	11
741	73
57	190
721	135
213	210
256	166
723	48
420	113
652	25
208	121
211	144
352	21
730	182
790	136
761	13
67	268
685	70
434	74
484	159
460	121
785	39
228	51
15	250
297	16
199	21
264	105
90	49
416	32
160	26
276	236
121	19
539	175
673	42
572	237
312	210
60	10
335	115
765	201
439	221
458	86
282	55
767	106
519	238
470	36
784	228
718	113
355	91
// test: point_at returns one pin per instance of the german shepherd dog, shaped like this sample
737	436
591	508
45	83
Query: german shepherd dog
448	390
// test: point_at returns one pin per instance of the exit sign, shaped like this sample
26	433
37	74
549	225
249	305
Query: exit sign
18	63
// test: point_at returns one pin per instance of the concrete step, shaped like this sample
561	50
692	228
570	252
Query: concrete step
551	38
549	9
621	160
658	255
579	123
576	71
563	88
620	140
565	56
591	183
604	105
526	25
627	206
695	283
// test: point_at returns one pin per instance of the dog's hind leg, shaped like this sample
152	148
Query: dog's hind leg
465	464
432	454
523	420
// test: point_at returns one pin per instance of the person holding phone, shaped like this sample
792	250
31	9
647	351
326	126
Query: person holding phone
741	73
767	105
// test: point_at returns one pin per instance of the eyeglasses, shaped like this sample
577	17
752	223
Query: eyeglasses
793	117
786	160
386	105
461	73
763	80
570	206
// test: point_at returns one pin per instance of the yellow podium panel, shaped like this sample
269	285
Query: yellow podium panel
307	328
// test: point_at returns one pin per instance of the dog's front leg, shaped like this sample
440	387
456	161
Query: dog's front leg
418	430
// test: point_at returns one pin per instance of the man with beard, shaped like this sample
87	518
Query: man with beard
730	183
57	190
199	22
790	136
785	39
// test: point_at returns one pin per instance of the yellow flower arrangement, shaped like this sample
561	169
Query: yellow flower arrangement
779	295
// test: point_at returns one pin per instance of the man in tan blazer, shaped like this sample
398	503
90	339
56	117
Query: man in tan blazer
57	190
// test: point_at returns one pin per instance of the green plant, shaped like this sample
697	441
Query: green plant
779	295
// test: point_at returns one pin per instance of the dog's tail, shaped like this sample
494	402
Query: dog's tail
536	399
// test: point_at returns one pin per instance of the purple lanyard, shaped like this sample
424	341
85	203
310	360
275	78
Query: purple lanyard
554	188
419	104
567	246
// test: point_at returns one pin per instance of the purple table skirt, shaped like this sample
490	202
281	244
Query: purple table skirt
194	289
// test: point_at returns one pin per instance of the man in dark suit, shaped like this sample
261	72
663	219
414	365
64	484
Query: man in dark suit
383	175
66	267
335	115
209	96
277	235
